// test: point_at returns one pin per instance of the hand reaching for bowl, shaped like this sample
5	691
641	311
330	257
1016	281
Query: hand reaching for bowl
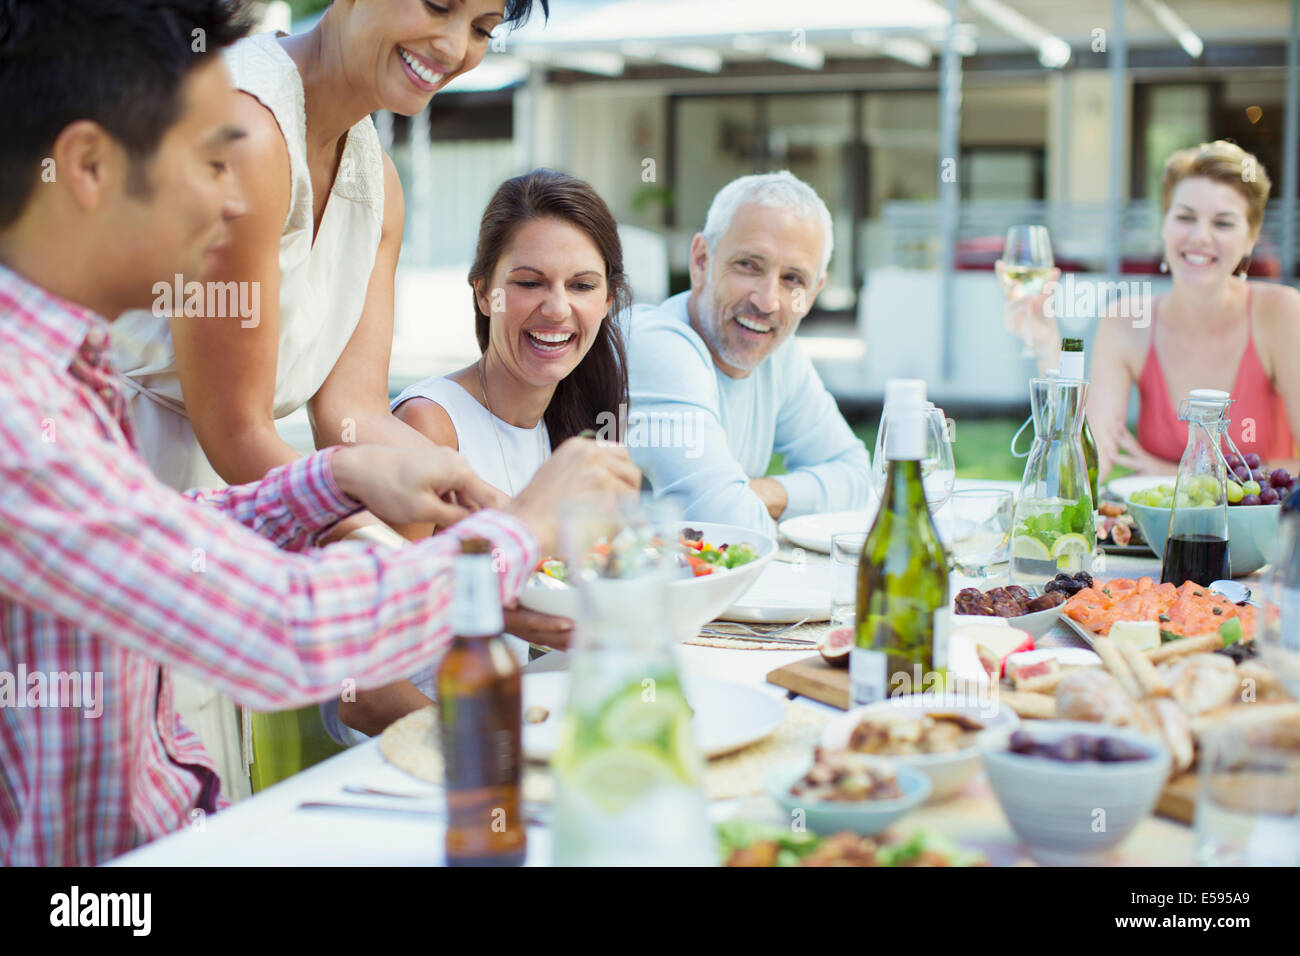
404	486
579	467
548	630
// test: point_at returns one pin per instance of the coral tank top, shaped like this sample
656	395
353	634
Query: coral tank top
1257	410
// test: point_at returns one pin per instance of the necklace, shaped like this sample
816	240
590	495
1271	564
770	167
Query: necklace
492	417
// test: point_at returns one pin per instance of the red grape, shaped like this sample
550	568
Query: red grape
1242	473
1257	474
1234	460
1250	499
1267	496
1279	478
1252	460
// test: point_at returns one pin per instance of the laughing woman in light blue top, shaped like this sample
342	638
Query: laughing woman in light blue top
717	382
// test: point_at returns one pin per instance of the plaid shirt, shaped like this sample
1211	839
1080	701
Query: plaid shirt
108	574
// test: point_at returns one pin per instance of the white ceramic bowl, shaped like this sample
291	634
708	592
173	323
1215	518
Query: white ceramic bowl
692	602
948	772
1074	813
1035	624
864	817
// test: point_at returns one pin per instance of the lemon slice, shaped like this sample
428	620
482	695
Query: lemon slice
617	777
1029	548
630	718
1068	546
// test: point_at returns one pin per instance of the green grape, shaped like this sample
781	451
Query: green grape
1235	493
1250	488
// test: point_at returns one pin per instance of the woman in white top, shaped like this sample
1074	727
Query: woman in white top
547	276
298	307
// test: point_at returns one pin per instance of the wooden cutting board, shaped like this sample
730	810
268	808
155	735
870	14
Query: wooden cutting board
813	677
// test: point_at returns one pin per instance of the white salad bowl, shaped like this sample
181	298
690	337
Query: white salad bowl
691	602
949	771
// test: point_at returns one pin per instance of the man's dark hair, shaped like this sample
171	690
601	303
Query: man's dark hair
119	63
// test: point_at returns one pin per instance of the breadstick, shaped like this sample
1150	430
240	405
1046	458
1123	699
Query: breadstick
1148	678
1185	645
1284	714
1043	684
1031	706
1114	662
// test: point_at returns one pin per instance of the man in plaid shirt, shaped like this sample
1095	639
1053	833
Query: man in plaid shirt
112	178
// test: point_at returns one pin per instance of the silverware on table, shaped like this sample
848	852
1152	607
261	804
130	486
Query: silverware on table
404	795
760	630
756	638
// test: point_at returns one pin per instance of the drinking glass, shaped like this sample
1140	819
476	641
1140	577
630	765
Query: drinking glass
1027	264
979	534
938	473
846	552
1248	801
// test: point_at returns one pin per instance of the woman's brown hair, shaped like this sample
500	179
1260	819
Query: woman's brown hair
599	383
1226	163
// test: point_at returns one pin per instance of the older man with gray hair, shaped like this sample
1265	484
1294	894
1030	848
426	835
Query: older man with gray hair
717	382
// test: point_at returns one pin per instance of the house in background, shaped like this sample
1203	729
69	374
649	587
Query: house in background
1042	111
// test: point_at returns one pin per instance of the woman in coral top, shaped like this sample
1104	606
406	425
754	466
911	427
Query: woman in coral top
1213	329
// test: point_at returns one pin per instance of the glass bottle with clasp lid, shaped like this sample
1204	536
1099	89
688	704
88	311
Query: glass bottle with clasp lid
1196	547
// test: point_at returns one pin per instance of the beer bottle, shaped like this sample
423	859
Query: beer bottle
479	706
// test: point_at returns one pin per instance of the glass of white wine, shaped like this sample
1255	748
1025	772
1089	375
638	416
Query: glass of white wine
938	473
1027	265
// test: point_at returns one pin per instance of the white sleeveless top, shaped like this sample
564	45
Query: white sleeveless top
521	450
322	285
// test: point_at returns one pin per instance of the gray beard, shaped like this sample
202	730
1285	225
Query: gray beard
709	327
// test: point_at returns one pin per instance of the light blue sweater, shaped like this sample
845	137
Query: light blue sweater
700	435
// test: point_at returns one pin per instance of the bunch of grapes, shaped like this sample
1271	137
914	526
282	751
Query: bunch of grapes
1253	485
1249	484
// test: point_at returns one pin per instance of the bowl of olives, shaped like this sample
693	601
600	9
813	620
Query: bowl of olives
1073	791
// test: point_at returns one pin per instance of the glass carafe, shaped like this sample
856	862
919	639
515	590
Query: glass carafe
1196	547
628	777
1053	530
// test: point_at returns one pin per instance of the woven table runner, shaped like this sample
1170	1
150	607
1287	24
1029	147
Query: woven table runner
812	632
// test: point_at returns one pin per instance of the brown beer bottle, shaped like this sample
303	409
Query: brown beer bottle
479	708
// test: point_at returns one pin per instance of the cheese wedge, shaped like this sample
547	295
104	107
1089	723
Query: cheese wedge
1144	635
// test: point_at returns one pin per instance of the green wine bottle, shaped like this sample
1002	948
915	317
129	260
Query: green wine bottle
901	645
1070	364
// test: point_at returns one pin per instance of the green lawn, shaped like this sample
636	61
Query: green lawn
981	447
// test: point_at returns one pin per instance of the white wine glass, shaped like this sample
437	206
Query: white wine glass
1027	265
938	473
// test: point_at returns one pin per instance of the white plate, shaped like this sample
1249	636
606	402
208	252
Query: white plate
1079	629
783	594
814	531
1121	488
727	716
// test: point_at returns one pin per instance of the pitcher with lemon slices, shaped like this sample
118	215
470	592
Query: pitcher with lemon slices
1054	528
628	777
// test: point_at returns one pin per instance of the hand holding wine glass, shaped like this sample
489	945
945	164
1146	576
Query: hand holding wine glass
1026	268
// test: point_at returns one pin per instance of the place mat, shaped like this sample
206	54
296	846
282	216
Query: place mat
813	631
411	744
